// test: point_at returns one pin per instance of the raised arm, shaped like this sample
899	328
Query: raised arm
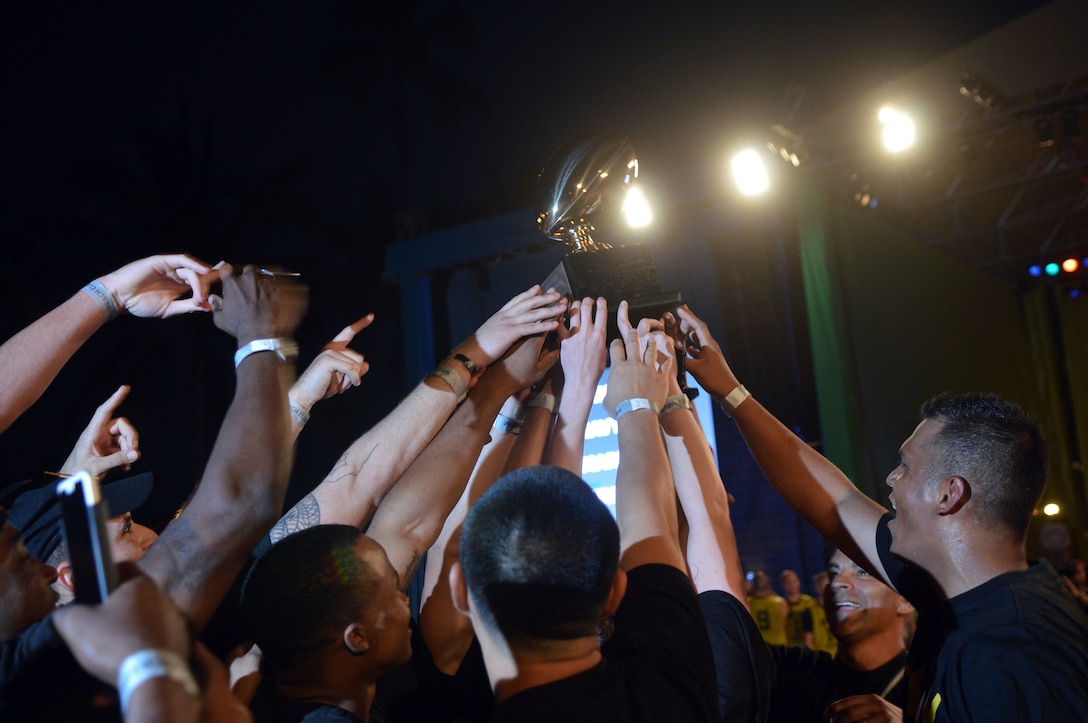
108	442
151	287
335	370
583	356
815	488
645	496
351	491
412	514
241	494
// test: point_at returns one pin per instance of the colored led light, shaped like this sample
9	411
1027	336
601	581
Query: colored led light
1052	269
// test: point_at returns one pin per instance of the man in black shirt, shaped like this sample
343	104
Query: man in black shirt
541	564
866	676
967	484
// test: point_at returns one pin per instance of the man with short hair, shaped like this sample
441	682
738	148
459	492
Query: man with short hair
822	639
543	565
998	638
865	677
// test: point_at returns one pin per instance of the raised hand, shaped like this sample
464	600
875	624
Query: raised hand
533	311
637	374
153	287
256	305
583	353
335	370
523	365
108	442
705	359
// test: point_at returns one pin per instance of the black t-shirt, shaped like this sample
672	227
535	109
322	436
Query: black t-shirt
741	659
40	680
657	666
808	681
1012	649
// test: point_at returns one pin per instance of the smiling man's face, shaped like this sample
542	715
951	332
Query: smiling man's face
858	604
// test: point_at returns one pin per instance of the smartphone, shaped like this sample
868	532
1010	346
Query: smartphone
84	514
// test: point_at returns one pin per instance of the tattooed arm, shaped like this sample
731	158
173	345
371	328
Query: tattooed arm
411	516
201	552
351	491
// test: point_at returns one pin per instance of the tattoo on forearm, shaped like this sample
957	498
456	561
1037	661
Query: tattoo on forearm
307	513
342	470
182	564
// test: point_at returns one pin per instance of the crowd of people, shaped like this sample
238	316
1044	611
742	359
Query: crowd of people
534	602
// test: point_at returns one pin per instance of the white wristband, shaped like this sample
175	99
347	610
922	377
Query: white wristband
298	413
504	423
97	291
544	401
286	349
632	405
455	381
145	665
676	401
732	400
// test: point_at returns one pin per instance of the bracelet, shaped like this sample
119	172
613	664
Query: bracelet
504	423
632	405
286	349
97	291
298	413
145	665
473	370
676	401
544	401
450	376
733	399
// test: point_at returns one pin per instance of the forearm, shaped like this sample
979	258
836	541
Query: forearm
645	496
162	699
810	484
240	495
31	360
528	449
410	517
568	442
711	546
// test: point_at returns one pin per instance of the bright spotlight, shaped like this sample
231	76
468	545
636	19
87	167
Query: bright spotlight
750	173
636	209
1051	509
899	132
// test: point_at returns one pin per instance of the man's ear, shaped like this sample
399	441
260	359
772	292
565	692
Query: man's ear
459	589
904	607
615	595
954	494
65	577
355	639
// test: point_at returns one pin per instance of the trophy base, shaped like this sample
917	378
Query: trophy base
625	273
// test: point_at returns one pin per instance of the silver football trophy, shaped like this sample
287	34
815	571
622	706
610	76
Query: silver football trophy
583	186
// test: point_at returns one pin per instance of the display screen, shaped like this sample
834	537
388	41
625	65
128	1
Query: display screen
602	456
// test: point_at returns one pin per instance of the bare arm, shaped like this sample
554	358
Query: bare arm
446	631
583	358
31	360
645	496
335	370
241	493
815	488
360	479
412	515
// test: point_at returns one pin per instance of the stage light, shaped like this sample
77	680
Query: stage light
1070	265
750	173
1035	270
636	209
1052	269
1051	509
899	132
